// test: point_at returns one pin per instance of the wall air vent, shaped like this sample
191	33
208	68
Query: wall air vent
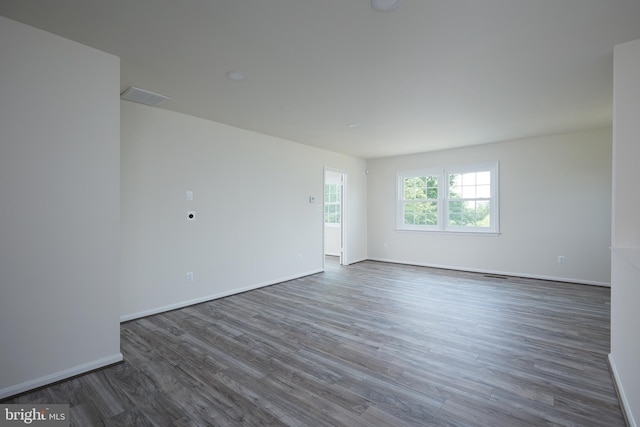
143	96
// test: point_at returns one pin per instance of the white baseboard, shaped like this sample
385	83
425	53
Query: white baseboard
357	260
59	376
497	272
182	304
624	402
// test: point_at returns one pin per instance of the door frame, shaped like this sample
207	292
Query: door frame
343	211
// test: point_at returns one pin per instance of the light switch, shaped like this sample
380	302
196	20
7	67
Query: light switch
189	195
312	199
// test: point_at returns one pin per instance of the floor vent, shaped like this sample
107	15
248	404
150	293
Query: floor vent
495	276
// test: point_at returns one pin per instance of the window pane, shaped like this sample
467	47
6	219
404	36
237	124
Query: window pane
431	213
470	213
455	186
483	218
483	178
332	203
409	191
469	179
455	219
432	187
468	192
483	191
420	187
420	216
456	207
420	183
409	213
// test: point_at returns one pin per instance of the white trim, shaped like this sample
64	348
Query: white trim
139	314
59	376
358	260
464	232
497	272
624	402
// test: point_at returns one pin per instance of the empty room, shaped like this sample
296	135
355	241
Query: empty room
319	213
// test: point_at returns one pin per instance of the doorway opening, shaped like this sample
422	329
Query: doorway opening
334	217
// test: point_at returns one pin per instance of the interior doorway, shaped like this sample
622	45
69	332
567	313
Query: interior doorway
334	217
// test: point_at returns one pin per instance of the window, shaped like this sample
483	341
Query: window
420	200
332	198
456	199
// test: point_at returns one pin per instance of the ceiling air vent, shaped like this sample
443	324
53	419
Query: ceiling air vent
143	96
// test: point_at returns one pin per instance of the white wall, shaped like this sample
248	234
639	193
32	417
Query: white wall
254	224
59	208
555	194
625	261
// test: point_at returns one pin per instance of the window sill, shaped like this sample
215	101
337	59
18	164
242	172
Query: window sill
452	233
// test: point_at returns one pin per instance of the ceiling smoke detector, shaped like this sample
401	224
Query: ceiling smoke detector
235	75
385	5
143	96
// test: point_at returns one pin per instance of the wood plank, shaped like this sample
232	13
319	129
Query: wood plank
364	345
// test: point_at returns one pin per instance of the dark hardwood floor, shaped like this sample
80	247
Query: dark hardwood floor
372	344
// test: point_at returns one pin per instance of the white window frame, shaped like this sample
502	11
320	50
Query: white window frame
443	199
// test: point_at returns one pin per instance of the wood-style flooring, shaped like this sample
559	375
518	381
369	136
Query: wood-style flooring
372	344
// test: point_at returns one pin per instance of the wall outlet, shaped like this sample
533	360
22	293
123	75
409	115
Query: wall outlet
562	259
189	277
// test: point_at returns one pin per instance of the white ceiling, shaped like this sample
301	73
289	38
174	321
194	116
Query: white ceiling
432	74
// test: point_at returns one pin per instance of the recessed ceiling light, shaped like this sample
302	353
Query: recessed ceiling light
385	5
235	75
